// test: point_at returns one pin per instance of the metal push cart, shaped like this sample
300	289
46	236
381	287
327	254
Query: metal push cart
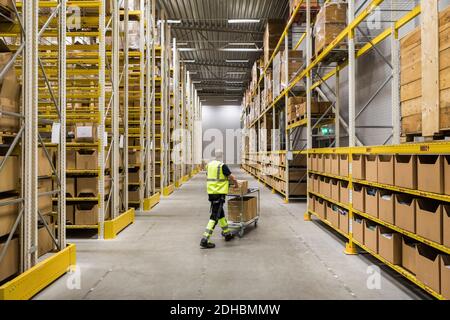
239	227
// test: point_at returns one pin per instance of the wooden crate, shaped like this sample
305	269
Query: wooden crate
411	78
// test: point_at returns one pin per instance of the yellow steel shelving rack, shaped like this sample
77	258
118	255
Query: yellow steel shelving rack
29	32
313	81
432	148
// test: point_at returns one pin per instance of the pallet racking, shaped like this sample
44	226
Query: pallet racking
302	137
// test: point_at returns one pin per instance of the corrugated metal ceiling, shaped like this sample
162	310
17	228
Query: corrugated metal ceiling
205	28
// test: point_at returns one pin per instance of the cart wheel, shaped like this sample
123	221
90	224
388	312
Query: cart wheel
241	233
256	224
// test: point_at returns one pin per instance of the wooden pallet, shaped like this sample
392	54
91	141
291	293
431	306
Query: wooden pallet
417	137
338	54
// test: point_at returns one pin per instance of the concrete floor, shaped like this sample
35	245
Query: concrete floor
158	257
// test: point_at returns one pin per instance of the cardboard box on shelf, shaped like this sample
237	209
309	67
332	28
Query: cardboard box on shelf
70	187
45	241
44	166
358	166
446	225
334	189
358	227
325	187
320	163
386	169
405	212
445	276
134	195
330	22
87	159
311	200
327	163
294	3
88	186
8	215
371	201
71	155
321	208
371	235
430	173
86	132
343	165
9	176
429	219
343	221
273	31
314	163
245	205
409	254
428	266
134	157
446	174
10	264
133	176
343	192
242	189
333	215
86	214
390	245
335	164
371	163
10	91
45	201
358	197
386	205
405	171
316	183
70	214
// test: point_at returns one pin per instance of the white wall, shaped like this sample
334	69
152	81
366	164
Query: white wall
219	124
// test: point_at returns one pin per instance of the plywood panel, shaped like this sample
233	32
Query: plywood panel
430	67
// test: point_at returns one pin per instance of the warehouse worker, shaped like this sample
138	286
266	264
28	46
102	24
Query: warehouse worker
218	178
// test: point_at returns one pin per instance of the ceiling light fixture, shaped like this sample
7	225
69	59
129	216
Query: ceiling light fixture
244	20
248	44
236	61
196	82
236	73
188	61
234	89
234	82
231	100
241	49
174	21
187	49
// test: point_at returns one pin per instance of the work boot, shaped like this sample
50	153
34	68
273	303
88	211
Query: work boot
228	236
205	244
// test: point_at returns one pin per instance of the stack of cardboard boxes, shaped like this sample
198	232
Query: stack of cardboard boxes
422	216
297	108
330	22
134	171
274	30
241	208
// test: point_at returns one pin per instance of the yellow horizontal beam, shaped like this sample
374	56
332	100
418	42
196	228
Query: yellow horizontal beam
329	224
115	226
32	281
402	271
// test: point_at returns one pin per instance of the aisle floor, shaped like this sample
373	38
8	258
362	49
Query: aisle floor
158	257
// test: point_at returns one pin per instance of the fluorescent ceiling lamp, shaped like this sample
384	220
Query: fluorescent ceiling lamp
231	100
188	61
196	82
236	73
236	61
182	44
174	21
234	82
187	49
193	72
244	20
242	49
234	89
248	44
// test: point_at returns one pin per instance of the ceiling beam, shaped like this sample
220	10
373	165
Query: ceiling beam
201	28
